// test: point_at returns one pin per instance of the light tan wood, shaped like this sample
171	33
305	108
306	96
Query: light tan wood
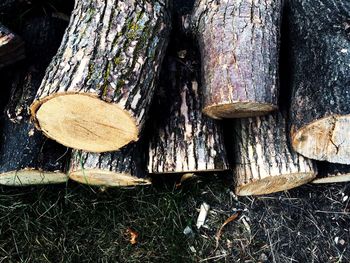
238	109
86	122
105	178
32	177
326	139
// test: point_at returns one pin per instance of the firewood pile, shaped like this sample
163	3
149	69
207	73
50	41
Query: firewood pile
129	90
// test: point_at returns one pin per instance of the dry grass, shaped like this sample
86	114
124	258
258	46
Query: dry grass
79	224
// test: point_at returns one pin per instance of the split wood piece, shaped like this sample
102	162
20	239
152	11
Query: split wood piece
11	47
27	157
264	161
125	167
184	140
239	44
96	92
332	173
320	77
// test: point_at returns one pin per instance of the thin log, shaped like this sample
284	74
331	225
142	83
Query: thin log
26	156
126	167
239	44
265	163
320	57
96	92
184	140
11	47
332	173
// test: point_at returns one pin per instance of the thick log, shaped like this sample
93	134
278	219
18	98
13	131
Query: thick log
332	173
239	43
11	47
320	58
26	156
184	140
126	167
96	92
265	163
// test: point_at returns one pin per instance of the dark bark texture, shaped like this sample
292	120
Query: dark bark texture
319	37
184	139
21	146
239	44
112	50
11	47
332	173
265	162
109	169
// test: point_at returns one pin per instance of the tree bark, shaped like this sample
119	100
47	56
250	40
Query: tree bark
319	33
239	44
101	82
26	156
183	139
264	161
126	167
332	173
11	47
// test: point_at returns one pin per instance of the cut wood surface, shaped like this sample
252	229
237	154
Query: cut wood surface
239	44
320	78
126	167
11	47
332	173
26	156
264	161
184	139
97	90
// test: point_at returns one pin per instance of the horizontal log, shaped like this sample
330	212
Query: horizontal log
184	140
26	156
126	167
264	161
319	59
101	82
239	44
332	173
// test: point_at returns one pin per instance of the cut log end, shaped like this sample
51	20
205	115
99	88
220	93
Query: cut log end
341	178
28	177
105	178
274	184
326	139
238	109
85	122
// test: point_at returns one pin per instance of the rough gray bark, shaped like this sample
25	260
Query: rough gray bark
183	138
319	33
11	47
126	167
26	156
239	44
332	173
111	52
264	161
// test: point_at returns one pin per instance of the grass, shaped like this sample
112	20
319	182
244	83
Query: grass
75	223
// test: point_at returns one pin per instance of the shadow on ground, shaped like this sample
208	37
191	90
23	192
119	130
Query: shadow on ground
73	223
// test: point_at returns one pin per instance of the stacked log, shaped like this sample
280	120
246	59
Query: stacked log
96	92
126	167
26	156
11	47
239	44
183	139
332	173
320	58
265	163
